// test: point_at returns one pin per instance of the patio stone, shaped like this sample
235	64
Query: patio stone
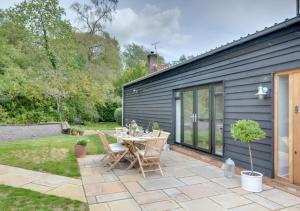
280	197
193	180
90	179
98	207
177	172
203	190
70	191
133	187
239	191
161	183
91	199
38	188
150	197
121	172
230	200
228	183
159	206
291	209
131	178
14	180
56	181
208	172
250	207
176	195
113	197
204	204
110	177
124	205
262	201
86	171
104	188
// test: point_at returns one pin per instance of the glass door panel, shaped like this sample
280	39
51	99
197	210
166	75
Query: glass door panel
188	117
203	118
283	127
218	119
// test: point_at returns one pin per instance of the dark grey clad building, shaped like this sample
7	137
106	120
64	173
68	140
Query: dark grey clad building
198	100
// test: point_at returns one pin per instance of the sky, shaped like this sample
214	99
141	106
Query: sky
189	27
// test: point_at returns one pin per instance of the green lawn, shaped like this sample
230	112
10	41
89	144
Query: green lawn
53	154
26	200
99	125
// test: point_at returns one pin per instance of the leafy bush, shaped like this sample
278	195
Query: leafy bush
82	141
106	110
247	131
118	115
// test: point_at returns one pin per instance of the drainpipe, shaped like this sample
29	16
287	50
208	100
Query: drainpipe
122	106
297	7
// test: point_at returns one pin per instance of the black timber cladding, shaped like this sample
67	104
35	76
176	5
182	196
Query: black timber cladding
242	68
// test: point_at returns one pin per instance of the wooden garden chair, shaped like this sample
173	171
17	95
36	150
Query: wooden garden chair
149	158
120	132
114	152
155	133
165	135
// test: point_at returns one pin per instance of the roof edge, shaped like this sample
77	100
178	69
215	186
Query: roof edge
265	31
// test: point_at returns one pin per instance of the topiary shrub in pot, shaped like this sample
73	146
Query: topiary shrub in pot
80	147
248	131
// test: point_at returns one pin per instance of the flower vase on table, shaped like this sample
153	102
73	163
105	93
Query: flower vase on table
133	127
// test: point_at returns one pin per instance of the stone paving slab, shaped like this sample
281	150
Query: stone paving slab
112	197
263	201
162	205
42	182
160	183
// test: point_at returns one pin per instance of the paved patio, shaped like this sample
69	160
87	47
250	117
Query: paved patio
188	184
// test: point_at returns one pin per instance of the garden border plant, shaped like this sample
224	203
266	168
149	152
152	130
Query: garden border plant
248	131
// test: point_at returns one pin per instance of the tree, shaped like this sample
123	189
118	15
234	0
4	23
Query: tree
134	54
247	131
56	86
94	15
92	18
129	75
44	19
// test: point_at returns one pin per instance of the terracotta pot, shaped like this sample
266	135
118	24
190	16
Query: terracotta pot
79	151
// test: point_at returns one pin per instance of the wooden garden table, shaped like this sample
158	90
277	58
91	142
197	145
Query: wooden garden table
131	142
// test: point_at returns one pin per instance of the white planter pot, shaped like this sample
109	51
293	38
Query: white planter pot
252	183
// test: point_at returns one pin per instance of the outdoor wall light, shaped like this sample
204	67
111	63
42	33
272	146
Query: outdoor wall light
135	91
262	92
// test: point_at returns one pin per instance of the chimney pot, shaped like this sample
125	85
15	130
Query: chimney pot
152	62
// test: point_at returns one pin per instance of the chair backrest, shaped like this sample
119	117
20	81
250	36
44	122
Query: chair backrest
165	135
154	147
155	133
119	130
105	142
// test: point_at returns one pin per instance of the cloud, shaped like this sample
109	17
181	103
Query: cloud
149	25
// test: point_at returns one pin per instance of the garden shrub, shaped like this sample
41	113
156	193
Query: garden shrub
118	115
106	110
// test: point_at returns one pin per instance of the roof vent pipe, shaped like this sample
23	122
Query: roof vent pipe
297	7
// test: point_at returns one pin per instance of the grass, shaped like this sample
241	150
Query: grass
53	154
26	200
99	125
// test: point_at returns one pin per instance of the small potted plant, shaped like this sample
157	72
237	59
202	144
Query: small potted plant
80	131
74	131
248	131
80	147
133	126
